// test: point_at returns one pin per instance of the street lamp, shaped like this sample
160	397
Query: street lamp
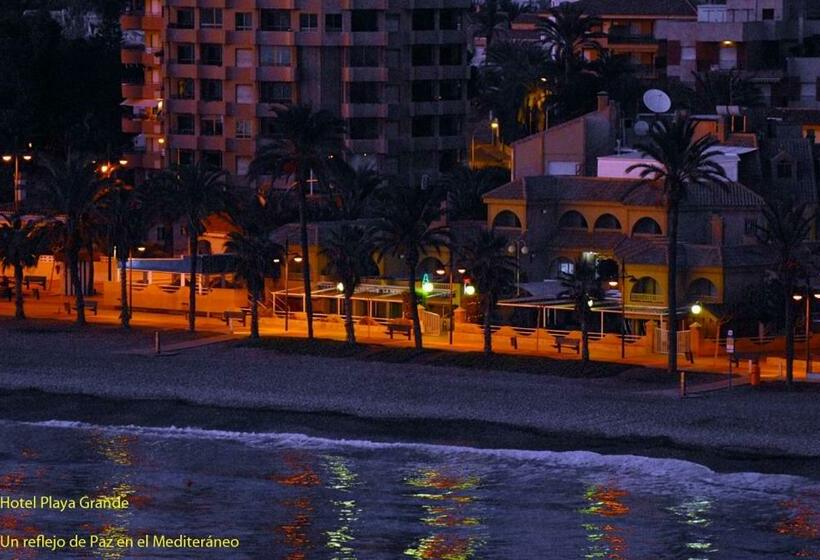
130	302
297	258
518	248
614	283
696	309
461	271
16	157
799	297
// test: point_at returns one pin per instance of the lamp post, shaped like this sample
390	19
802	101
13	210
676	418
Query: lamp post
130	302
450	272
518	248
297	258
799	297
612	284
16	157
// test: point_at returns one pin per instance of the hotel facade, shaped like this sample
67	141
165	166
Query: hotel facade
202	78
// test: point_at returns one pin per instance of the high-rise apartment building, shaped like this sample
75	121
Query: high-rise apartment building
203	78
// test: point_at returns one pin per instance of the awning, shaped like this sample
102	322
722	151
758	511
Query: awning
144	103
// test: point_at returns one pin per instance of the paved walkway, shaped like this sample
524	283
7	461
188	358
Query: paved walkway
51	307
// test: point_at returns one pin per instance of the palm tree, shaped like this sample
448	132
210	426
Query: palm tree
724	87
406	229
252	247
466	186
352	186
305	142
567	31
583	287
495	16
492	270
349	253
680	163
21	244
193	192
786	229
68	191
126	213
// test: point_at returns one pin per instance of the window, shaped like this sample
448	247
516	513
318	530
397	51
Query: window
184	89
364	20
333	22
243	164
646	226
210	126
768	13
785	170
184	124
607	222
449	20
185	18
244	58
450	90
185	53
210	54
365	92
423	126
212	158
572	220
364	129
565	267
210	90
185	157
308	22
275	92
161	233
647	286
750	227
210	17
450	55
243	21
275	20
424	20
450	125
363	56
245	94
423	55
274	56
506	219
392	22
423	90
244	129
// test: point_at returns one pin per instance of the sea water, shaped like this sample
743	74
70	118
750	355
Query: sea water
296	497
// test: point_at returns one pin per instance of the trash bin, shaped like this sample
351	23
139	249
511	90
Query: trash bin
754	373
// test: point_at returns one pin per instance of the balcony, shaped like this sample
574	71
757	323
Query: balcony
646	298
629	39
141	126
365	74
364	110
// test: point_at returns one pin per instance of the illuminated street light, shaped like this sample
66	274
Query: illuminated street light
613	283
7	158
797	297
340	286
469	290
696	309
297	259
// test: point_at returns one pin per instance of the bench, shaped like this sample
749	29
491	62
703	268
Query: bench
29	280
90	305
402	328
569	342
736	357
229	316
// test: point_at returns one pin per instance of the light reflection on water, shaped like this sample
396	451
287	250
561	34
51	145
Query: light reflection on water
296	498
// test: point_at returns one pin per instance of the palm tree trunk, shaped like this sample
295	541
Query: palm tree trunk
90	289
125	305
414	303
254	314
193	245
351	331
76	284
672	289
584	333
18	292
488	335
787	298
303	234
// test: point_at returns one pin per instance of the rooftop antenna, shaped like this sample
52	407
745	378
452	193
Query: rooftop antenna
657	101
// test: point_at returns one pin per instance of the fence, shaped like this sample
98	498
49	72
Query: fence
661	341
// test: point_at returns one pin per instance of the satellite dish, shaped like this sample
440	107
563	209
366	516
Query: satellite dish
641	128
657	101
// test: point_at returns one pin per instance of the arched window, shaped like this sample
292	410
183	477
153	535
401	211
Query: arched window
573	220
702	288
607	221
646	286
561	267
506	219
646	226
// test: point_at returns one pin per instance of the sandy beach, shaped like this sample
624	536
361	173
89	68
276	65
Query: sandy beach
106	362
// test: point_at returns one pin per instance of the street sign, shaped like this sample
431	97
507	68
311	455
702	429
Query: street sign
730	342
